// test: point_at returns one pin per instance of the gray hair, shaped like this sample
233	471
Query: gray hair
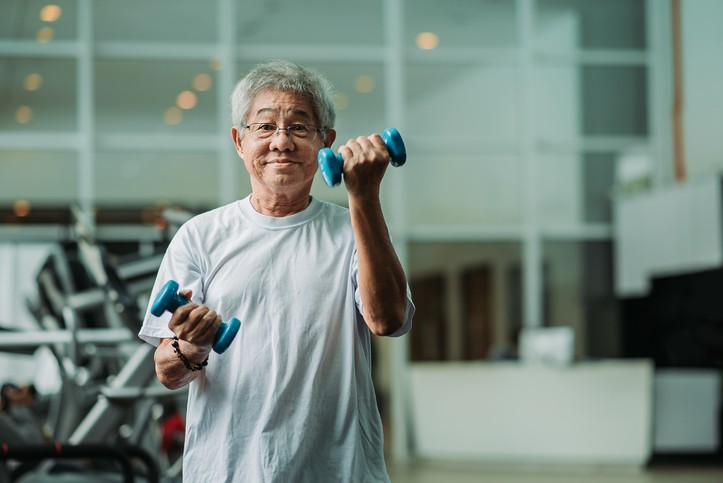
289	77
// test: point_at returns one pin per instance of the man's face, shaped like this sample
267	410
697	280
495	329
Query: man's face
283	162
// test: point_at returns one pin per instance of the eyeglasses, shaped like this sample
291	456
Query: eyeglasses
264	130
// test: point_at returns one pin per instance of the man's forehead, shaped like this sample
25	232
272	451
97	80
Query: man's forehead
274	102
294	111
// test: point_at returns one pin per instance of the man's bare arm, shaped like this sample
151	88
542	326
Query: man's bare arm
169	368
382	282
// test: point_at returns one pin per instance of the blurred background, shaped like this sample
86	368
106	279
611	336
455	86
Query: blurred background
559	217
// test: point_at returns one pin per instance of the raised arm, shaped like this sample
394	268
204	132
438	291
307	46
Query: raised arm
382	281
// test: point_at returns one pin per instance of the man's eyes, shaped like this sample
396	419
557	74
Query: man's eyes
291	127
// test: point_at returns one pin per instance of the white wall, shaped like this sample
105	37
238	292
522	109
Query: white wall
533	414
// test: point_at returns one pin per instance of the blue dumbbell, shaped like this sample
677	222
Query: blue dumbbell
169	299
331	164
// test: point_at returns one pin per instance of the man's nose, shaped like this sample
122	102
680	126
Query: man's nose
283	140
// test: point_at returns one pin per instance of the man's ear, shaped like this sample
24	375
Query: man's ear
329	138
236	136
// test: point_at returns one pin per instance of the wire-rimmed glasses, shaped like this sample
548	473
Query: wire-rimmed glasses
264	130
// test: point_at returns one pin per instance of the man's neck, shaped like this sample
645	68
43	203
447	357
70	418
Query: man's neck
279	206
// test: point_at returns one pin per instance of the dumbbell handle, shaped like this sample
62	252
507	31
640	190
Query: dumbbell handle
331	165
169	299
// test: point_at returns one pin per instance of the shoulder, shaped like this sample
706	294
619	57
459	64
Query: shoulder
333	212
204	226
215	215
336	221
211	218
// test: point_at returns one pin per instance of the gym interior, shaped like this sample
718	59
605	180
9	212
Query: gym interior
559	218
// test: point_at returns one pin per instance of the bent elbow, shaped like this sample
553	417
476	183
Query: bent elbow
385	330
169	383
388	324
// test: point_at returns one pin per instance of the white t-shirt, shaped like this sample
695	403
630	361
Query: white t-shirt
292	399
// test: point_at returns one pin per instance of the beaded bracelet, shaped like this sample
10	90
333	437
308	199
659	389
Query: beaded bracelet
184	359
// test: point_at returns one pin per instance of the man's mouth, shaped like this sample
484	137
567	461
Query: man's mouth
281	162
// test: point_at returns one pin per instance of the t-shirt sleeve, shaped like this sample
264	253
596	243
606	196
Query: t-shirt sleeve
180	263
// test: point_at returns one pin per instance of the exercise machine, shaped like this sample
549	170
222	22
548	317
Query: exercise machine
89	307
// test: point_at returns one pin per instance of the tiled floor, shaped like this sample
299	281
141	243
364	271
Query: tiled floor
427	472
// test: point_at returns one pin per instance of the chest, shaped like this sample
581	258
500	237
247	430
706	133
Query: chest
273	269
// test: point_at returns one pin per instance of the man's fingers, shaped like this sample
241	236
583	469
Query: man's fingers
194	323
365	148
208	322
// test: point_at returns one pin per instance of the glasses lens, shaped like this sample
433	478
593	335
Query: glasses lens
264	130
299	131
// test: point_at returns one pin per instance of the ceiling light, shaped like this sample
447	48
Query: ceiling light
33	82
202	82
45	34
364	84
23	114
186	100
215	62
427	40
173	116
21	208
50	13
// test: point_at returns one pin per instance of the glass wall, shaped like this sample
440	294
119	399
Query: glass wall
514	114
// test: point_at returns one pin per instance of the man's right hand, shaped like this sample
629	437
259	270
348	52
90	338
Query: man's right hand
195	324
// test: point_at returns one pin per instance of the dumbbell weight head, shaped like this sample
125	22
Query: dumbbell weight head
331	165
169	299
395	146
225	334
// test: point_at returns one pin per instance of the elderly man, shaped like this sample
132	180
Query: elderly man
292	398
